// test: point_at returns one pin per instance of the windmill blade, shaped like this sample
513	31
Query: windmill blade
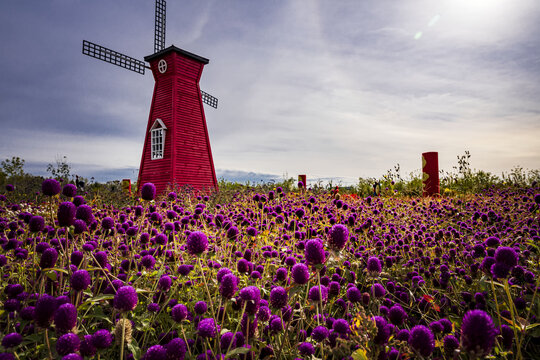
113	57
159	30
209	99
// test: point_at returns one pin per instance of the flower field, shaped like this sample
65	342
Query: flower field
275	275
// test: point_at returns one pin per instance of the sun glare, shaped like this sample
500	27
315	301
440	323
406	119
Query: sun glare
489	17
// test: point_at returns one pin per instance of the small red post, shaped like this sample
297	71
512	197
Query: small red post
302	178
126	186
430	173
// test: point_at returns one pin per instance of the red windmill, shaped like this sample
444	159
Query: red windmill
176	148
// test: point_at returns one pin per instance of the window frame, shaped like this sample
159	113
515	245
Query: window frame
158	133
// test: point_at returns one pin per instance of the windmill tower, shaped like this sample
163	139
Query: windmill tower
176	148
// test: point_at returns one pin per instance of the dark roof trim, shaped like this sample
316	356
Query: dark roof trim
178	50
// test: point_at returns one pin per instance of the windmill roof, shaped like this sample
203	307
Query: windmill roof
178	50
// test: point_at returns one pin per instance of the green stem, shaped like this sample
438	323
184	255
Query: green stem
237	327
513	313
123	336
48	343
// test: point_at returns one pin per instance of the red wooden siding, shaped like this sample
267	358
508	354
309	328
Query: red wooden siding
177	102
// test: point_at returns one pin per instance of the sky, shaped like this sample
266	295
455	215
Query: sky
331	89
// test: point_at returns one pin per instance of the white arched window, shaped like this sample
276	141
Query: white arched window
157	135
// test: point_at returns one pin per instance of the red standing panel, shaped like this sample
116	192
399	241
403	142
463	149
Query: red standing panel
430	173
177	148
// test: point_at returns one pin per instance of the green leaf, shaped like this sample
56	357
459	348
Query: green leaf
60	270
98	298
359	354
238	351
532	326
135	349
51	275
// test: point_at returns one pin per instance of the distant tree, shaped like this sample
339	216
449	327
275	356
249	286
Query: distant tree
61	169
13	167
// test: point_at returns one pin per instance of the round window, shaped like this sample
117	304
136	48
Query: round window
162	66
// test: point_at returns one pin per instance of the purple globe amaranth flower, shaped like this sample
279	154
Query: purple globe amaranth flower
477	333
80	280
125	299
450	344
69	190
314	252
148	192
221	273
507	336
200	307
354	295
264	313
67	343
338	237
78	200
228	286
65	317
278	297
316	292
79	226
164	283
179	312
500	270
48	258
436	327
148	261
101	339
12	305
227	340
185	269
232	233
66	214
86	348
251	295
107	223
101	258
421	340
492	241
196	243
320	333
207	328
306	349
251	231
507	256
153	307
374	265
50	187
487	263
176	349
341	326
397	315
276	324
73	356
403	335
11	340
156	352
84	213
300	273
36	224
44	310
383	330
377	290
